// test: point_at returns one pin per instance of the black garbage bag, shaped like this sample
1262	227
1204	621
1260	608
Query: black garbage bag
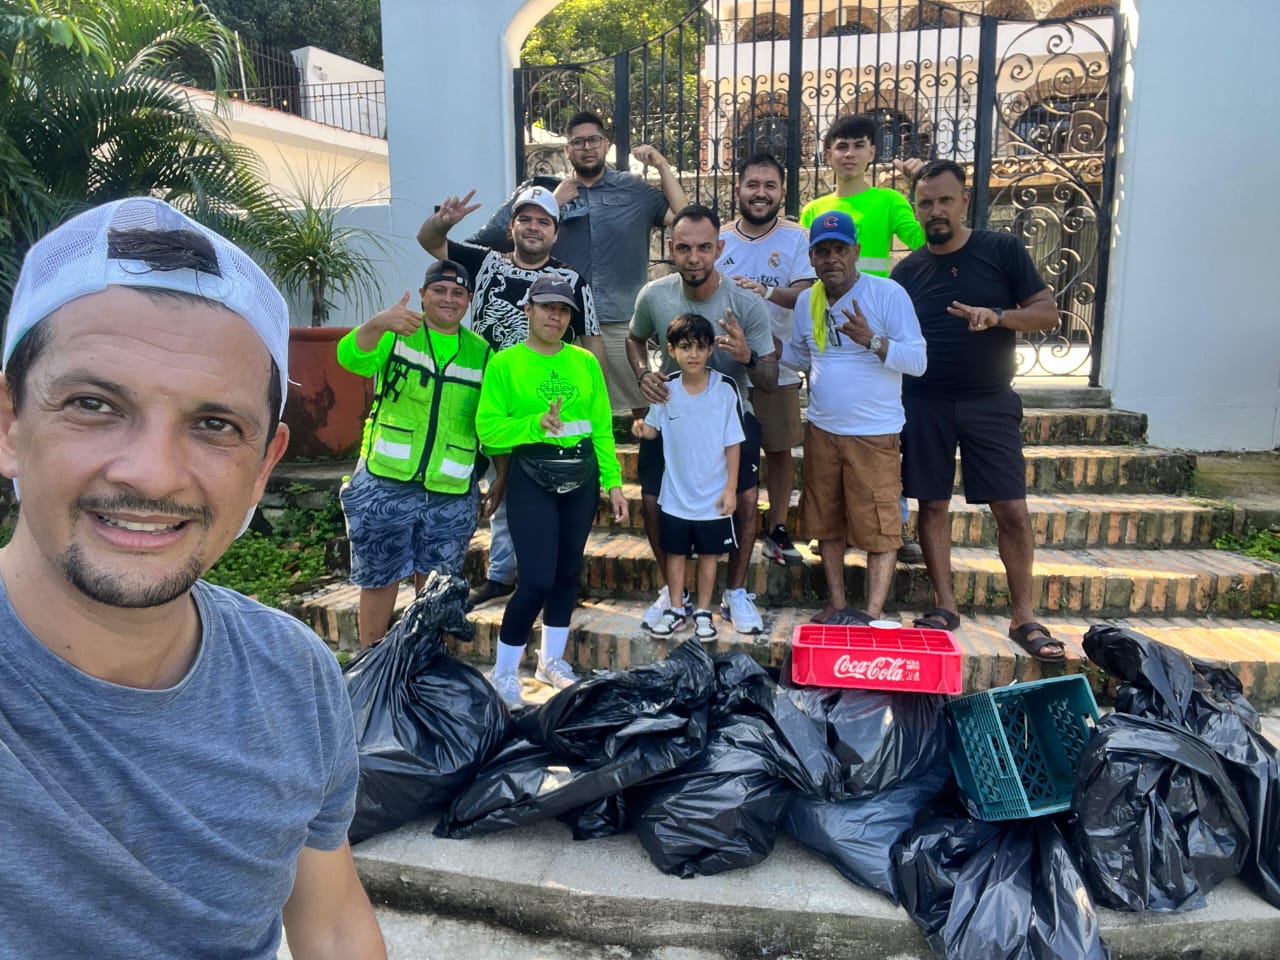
1163	683
1158	822
744	688
720	811
857	836
606	817
999	891
590	720
525	782
880	738
425	722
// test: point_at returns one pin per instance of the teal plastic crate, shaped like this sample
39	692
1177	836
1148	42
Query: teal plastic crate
1015	748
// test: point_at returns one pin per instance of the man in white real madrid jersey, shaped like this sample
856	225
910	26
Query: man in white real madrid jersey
769	255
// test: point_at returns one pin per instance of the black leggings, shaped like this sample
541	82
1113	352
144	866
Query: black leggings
549	532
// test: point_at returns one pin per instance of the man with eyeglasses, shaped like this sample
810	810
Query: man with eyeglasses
606	216
502	282
855	335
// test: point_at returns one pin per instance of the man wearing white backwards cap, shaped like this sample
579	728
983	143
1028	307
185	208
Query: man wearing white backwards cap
178	761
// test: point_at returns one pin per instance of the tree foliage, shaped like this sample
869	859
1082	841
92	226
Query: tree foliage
580	30
349	28
91	110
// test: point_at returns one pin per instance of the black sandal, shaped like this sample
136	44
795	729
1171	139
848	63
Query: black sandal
938	619
1035	647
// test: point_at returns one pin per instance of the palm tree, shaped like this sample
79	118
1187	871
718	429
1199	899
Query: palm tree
92	109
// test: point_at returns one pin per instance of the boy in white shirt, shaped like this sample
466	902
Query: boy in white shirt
701	430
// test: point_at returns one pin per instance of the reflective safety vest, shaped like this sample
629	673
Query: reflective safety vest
423	423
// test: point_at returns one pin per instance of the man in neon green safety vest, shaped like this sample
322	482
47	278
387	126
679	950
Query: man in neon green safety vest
413	502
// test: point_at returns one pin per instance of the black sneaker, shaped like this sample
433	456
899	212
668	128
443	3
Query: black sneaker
910	551
777	546
489	590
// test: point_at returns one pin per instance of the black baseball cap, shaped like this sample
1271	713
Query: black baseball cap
448	270
550	288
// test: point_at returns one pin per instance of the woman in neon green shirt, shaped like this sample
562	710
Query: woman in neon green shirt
545	401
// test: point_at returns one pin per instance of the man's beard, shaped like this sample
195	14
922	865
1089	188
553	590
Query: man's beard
699	281
751	218
938	233
112	590
588	170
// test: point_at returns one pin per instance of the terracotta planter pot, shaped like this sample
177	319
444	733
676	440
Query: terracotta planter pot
326	405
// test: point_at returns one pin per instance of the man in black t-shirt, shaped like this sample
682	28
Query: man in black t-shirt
502	281
974	291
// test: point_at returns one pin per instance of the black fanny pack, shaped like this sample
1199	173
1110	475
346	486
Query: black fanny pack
558	469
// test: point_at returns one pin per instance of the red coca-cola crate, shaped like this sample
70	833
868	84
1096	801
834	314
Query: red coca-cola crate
872	658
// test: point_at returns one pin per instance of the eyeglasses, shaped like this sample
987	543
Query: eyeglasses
581	143
833	327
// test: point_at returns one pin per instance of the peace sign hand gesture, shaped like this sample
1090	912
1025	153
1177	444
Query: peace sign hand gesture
855	326
454	209
550	421
979	318
734	340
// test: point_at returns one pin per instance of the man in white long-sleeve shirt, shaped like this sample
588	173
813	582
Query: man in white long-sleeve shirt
856	335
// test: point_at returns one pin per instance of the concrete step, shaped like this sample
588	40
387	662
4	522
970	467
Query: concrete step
1068	521
606	633
1057	469
1097	582
602	899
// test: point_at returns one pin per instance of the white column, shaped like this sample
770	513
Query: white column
449	110
1193	307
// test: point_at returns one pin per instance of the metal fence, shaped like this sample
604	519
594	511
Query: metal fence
1022	93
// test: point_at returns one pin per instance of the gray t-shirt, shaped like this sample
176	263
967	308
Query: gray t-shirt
165	823
662	300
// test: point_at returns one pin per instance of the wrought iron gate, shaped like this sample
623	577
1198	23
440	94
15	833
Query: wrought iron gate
1023	93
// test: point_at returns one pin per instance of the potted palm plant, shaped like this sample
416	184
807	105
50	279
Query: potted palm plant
316	259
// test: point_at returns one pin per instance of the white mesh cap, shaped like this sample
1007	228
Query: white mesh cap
71	261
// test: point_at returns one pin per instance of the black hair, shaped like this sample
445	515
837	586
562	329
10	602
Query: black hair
935	168
696	211
762	160
851	126
159	250
585	116
690	328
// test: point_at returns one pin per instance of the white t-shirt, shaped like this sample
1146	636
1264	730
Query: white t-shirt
695	430
851	393
777	259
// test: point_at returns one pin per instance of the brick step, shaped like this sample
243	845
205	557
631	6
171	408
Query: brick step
1057	469
1096	582
1066	521
1061	426
606	633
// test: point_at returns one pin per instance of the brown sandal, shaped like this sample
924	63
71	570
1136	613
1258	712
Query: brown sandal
1035	645
937	619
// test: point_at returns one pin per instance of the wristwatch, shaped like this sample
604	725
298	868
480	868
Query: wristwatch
876	343
999	312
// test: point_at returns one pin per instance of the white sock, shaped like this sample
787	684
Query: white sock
508	658
554	640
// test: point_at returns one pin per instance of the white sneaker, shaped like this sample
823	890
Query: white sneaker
703	628
555	672
737	608
671	622
508	687
656	609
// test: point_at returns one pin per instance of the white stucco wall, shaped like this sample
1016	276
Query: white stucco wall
1193	307
449	108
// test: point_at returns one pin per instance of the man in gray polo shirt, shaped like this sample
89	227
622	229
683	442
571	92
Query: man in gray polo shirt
605	219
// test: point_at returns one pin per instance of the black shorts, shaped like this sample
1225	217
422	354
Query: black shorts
989	432
650	461
706	538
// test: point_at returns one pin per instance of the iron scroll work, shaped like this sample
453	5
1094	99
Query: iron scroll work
1022	93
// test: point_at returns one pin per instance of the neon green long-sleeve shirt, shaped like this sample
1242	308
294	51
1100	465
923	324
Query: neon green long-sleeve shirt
519	387
880	214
